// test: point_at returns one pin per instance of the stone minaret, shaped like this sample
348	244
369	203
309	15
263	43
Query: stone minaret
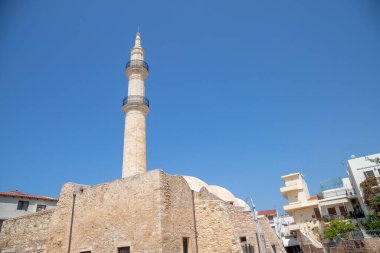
135	107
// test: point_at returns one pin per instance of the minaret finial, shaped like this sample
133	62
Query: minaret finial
138	40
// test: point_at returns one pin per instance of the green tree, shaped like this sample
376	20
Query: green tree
339	227
375	200
374	160
371	222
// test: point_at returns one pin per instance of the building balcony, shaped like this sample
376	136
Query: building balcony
137	63
290	187
292	206
136	100
299	205
335	197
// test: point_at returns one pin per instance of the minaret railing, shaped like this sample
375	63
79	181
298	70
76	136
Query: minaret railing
137	63
135	100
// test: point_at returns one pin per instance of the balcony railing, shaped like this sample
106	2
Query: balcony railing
290	183
136	100
138	63
328	218
338	193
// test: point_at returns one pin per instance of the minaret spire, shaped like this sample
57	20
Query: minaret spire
138	41
136	108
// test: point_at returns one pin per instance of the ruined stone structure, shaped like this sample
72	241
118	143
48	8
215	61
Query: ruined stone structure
144	212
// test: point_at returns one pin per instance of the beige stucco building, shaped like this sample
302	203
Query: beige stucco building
144	211
304	209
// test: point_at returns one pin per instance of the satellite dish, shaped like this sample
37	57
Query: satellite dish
352	156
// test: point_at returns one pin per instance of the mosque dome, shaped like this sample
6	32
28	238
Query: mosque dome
195	183
222	193
240	203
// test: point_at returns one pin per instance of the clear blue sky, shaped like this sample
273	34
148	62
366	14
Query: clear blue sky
241	92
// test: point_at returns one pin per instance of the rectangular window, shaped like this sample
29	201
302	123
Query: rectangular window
343	210
185	243
243	239
124	250
40	208
1	224
369	174
331	210
88	251
22	205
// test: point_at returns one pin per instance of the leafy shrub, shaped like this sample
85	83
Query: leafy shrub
371	222
338	227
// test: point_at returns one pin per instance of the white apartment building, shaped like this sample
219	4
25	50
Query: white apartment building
15	203
289	240
280	225
338	200
359	169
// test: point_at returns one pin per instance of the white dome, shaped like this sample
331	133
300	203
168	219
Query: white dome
240	203
195	183
222	193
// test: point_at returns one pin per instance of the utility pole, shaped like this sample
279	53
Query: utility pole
252	207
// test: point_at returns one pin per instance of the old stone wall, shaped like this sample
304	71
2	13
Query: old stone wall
177	214
150	213
125	212
270	236
27	234
244	225
367	245
215	231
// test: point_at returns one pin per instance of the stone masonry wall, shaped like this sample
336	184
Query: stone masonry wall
177	214
244	225
27	234
125	212
215	228
150	213
367	245
270	236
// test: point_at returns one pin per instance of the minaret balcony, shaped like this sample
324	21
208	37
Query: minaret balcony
136	100
137	63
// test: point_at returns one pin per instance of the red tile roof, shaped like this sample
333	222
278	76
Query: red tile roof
313	197
267	212
24	195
